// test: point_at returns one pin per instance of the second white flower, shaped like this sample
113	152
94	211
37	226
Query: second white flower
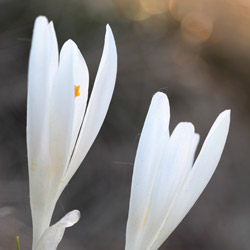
166	183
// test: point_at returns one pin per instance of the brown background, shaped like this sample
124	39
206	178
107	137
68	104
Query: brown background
197	52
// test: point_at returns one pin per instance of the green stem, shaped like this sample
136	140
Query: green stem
17	243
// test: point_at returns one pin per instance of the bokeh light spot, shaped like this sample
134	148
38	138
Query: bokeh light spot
155	6
196	27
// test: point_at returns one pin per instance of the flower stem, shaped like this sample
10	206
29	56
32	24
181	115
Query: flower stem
17	243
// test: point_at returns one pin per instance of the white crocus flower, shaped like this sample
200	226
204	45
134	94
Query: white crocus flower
166	183
61	127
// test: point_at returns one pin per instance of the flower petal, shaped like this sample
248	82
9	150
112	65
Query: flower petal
174	167
98	103
61	126
81	85
43	64
62	114
54	234
154	138
65	120
198	178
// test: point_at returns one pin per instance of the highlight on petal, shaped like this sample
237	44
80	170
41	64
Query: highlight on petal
54	234
98	104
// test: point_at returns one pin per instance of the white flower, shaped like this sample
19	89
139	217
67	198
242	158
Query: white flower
61	127
166	183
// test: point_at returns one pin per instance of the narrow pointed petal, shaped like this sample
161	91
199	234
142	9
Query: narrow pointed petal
62	114
171	175
198	178
43	64
54	234
154	138
42	69
98	103
81	85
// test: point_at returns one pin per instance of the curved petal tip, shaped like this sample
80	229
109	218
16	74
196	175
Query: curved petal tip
54	234
225	113
71	218
108	29
109	37
69	44
160	97
41	19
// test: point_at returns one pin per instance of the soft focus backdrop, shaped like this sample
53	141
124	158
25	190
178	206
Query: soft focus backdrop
195	51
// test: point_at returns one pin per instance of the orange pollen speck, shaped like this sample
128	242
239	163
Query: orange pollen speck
77	88
62	181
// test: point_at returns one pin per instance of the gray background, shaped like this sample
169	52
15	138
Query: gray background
197	52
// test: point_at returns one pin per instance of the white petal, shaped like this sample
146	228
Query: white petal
62	114
54	234
66	117
98	103
172	173
42	68
154	138
81	79
198	178
43	64
61	126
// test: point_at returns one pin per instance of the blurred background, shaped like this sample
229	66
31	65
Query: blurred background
195	51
